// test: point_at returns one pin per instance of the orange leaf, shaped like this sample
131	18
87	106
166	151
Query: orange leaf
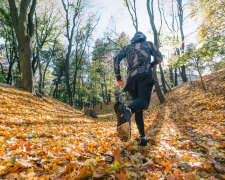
69	168
121	176
71	157
117	154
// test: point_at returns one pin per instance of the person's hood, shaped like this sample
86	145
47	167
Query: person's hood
139	36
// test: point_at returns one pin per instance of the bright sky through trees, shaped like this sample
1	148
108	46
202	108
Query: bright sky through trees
120	15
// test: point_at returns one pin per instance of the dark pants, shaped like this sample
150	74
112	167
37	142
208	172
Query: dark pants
140	88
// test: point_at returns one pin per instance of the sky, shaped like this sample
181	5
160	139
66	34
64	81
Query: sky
117	10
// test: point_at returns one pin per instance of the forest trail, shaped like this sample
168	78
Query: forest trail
44	138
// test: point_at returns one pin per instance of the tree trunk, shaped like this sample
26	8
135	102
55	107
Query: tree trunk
74	84
183	73
151	17
190	76
46	67
27	82
175	77
171	76
9	76
106	93
157	87
103	94
162	79
40	74
109	98
38	57
49	94
181	21
67	77
70	35
55	92
80	101
44	74
168	86
94	102
200	74
24	36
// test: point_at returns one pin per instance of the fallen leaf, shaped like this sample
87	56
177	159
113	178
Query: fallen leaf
121	176
85	172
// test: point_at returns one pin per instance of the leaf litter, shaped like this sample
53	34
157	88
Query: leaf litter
42	138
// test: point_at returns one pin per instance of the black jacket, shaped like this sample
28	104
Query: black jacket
138	55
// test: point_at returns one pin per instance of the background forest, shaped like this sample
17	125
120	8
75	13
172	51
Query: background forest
50	48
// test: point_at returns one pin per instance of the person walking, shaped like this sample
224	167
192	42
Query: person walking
139	84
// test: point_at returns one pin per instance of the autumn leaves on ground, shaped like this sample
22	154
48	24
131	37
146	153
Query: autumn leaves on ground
41	138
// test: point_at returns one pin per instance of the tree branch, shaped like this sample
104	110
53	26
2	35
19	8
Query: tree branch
30	19
132	16
135	13
159	32
193	32
189	15
23	10
166	21
67	19
188	2
14	14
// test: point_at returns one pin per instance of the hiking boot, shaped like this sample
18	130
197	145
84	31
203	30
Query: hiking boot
123	121
143	141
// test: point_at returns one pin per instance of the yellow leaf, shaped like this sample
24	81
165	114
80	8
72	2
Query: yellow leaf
116	164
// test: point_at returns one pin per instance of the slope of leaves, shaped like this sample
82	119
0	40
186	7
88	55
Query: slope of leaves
43	138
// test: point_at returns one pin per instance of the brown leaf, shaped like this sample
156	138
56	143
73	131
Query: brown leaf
190	177
121	176
99	172
12	176
170	177
85	172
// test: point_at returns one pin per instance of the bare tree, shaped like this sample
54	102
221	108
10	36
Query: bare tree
53	51
150	9
180	9
45	25
163	80
24	28
173	27
133	12
197	61
82	38
178	18
75	9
